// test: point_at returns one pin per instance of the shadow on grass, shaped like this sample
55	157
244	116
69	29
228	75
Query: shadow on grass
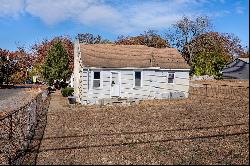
30	155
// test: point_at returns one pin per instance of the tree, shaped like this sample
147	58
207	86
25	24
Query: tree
40	50
36	70
212	50
150	38
245	54
21	61
3	65
182	33
56	66
106	41
88	38
16	67
208	63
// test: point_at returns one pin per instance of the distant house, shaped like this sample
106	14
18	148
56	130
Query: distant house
70	80
237	69
104	71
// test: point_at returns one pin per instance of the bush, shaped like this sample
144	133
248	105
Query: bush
63	84
67	91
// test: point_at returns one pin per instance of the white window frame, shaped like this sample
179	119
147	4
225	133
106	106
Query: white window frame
92	80
173	78
134	79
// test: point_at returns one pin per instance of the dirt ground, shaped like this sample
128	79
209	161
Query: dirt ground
199	130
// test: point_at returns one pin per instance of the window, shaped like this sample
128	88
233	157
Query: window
138	79
170	77
96	80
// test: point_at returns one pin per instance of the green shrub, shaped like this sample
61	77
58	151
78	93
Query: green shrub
67	91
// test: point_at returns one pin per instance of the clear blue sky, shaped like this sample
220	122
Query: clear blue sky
25	22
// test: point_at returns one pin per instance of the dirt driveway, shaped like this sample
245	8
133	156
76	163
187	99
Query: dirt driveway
191	131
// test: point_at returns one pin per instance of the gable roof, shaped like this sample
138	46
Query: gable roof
139	56
236	65
244	59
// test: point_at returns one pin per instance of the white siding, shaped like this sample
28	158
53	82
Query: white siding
154	84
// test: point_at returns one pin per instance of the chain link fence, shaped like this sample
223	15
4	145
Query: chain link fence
19	127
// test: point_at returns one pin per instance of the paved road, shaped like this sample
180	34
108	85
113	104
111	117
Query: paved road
12	98
7	93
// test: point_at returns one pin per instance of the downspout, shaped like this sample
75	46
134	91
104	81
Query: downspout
88	85
88	80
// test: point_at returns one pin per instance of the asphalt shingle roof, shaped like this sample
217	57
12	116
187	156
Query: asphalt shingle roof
139	56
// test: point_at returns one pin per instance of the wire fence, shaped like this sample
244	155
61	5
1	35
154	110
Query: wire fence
19	127
221	91
206	90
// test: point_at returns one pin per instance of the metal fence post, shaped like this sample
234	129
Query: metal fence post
11	132
248	91
206	88
10	138
240	87
224	90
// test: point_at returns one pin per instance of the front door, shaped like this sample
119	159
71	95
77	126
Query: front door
115	84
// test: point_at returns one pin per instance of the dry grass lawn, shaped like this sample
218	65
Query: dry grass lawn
198	130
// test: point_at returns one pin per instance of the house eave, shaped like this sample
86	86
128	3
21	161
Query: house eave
136	68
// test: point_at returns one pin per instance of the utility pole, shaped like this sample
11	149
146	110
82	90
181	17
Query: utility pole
7	71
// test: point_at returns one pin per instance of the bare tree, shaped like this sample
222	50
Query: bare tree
88	38
183	31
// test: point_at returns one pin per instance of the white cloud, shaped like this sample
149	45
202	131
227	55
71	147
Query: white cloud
54	11
99	14
239	9
124	17
11	8
156	14
86	12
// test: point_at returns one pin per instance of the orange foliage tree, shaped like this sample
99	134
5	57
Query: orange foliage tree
16	66
40	51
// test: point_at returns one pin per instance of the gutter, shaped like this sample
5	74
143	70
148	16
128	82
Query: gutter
135	68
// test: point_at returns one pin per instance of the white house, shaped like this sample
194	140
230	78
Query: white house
103	71
70	80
